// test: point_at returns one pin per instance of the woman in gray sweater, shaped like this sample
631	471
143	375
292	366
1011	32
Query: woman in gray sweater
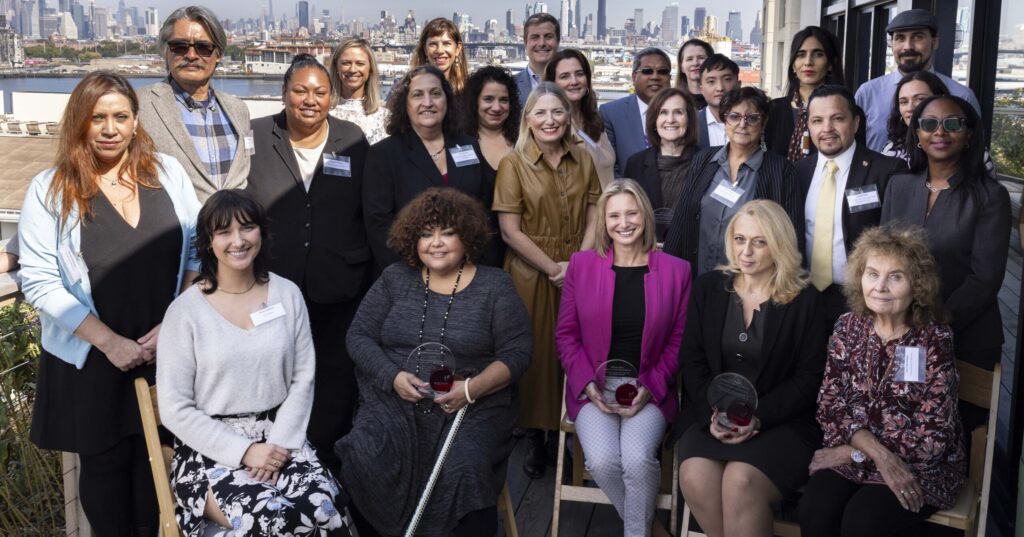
438	295
235	386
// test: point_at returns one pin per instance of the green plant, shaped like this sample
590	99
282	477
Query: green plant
1008	134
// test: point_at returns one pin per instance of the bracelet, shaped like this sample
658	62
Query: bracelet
465	389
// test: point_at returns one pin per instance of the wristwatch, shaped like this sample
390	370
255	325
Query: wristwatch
858	456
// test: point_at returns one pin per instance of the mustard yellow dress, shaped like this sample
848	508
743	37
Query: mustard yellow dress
552	202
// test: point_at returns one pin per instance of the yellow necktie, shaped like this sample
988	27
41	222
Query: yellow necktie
824	215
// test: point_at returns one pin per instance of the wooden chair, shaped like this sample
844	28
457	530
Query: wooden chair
159	457
508	514
970	512
578	492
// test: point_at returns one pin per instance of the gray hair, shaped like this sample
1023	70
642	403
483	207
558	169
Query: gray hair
647	52
198	14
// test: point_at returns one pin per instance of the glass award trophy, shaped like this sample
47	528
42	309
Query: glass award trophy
735	399
619	387
434	364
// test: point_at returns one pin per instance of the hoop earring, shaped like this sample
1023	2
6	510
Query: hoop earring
919	145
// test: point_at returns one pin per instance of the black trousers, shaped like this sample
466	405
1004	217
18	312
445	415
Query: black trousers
334	390
835	304
835	506
116	490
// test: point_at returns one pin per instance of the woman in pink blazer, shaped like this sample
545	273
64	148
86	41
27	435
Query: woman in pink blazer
623	301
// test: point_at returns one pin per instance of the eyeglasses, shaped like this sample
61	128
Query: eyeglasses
949	124
648	71
180	47
734	118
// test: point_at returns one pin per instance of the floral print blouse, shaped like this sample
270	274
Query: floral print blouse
372	124
918	422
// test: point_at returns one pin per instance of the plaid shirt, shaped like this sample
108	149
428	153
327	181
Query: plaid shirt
212	134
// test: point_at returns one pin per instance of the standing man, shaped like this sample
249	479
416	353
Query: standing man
718	75
541	34
842	190
207	131
913	36
624	118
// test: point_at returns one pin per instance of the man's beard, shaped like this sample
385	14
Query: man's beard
912	63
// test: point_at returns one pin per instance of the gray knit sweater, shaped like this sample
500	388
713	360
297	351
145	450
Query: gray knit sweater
207	367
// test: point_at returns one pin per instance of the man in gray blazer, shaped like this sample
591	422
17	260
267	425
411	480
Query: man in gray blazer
624	121
541	34
207	131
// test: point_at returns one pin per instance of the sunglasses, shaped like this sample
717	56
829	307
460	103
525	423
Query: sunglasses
735	118
648	71
180	47
949	124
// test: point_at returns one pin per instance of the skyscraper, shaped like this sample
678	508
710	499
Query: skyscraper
698	19
564	19
602	20
638	20
684	27
579	17
152	22
510	23
733	27
670	23
755	34
303	7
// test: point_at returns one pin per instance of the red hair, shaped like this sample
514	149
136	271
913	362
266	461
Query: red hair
74	182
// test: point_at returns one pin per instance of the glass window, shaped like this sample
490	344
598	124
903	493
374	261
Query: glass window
962	41
1008	108
888	13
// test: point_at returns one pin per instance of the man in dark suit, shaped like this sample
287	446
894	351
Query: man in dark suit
842	189
718	75
624	118
541	34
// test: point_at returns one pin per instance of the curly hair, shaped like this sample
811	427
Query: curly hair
909	246
471	101
399	123
593	125
223	208
439	208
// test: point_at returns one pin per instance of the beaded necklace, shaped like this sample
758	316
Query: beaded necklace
444	324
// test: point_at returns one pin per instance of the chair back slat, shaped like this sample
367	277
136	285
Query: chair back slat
975	384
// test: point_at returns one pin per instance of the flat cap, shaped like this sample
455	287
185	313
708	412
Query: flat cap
912	18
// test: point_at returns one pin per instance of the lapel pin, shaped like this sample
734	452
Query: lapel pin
865	163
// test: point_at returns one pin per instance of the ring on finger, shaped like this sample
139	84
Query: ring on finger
903	492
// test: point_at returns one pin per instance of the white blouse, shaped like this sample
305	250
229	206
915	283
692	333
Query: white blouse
371	124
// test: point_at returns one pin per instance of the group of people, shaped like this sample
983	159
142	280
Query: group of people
290	283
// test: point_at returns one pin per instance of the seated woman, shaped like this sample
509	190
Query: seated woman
614	296
437	294
757	317
894	450
235	386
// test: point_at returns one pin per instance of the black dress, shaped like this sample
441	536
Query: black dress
133	273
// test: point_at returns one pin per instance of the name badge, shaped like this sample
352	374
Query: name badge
863	198
74	265
339	165
727	194
464	156
250	145
910	364
267	313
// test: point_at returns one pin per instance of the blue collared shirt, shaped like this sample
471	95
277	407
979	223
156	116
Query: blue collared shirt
212	135
875	97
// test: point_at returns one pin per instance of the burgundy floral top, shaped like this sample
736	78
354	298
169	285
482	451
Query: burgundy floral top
918	422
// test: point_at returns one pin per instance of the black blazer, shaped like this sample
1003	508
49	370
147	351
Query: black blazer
869	168
642	167
398	168
792	355
781	123
970	239
776	181
318	238
703	141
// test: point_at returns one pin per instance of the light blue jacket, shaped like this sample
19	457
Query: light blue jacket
45	280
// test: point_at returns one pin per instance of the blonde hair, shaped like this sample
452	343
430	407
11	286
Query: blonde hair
371	89
603	241
789	277
525	134
459	71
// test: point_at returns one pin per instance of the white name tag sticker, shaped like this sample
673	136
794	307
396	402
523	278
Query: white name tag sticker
727	194
250	145
73	264
464	156
863	198
910	364
339	165
266	314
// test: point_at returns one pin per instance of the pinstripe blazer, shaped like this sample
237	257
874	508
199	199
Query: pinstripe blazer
776	181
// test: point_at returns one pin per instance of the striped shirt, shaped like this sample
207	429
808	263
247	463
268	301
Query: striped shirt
212	135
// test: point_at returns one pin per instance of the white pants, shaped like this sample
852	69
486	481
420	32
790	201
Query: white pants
621	454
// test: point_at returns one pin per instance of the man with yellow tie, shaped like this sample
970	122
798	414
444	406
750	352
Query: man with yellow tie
842	188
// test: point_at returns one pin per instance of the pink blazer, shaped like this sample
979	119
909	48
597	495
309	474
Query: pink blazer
584	332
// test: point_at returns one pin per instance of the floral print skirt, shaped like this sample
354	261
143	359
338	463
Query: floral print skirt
301	503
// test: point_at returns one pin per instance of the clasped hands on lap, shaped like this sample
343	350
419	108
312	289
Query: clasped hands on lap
895	473
412	389
265	461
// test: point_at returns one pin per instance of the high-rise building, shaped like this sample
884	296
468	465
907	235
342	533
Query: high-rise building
670	24
698	19
510	23
588	27
303	8
12	53
734	26
540	7
101	23
602	19
578	17
564	19
755	34
66	26
711	25
684	27
638	20
152	22
41	7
